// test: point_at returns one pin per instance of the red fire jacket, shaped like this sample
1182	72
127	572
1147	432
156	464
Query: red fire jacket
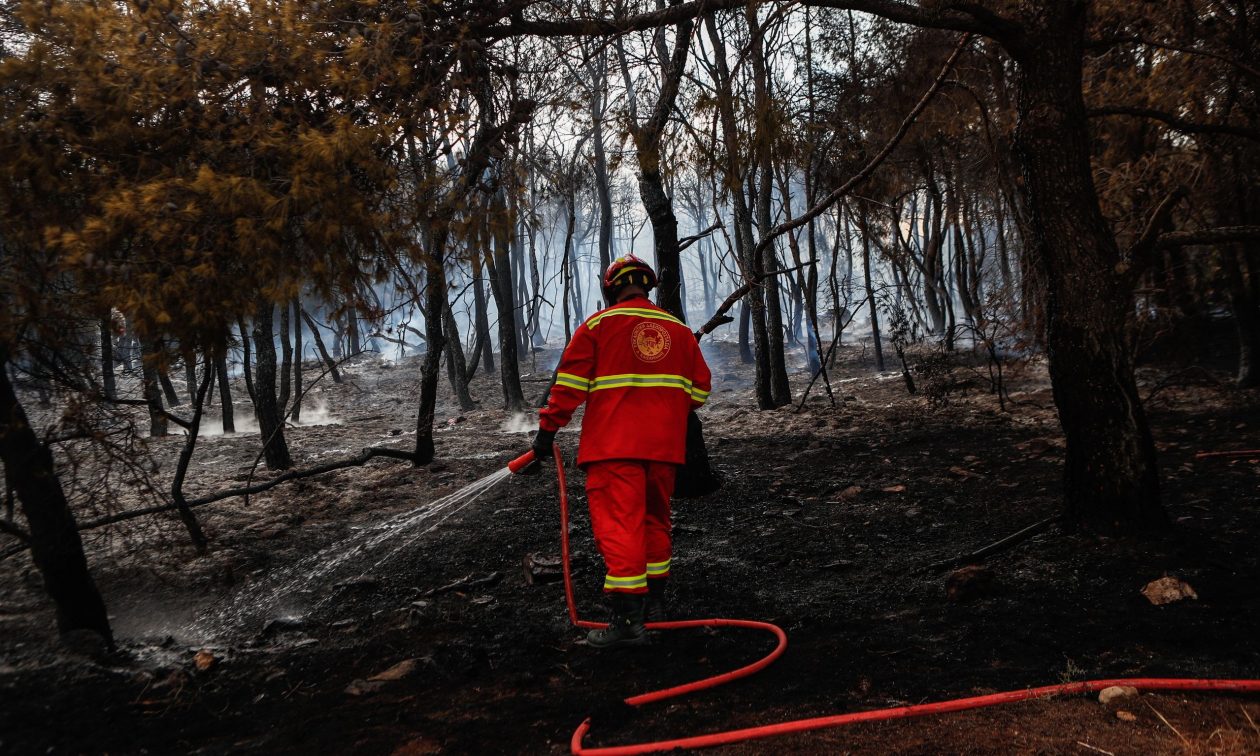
640	371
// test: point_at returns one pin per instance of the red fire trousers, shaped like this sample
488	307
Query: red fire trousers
629	503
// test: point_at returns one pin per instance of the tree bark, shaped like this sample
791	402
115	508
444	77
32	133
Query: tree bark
766	127
185	458
481	316
55	544
876	339
246	366
456	367
296	413
754	306
1111	478
286	360
500	270
225	391
435	340
153	393
266	407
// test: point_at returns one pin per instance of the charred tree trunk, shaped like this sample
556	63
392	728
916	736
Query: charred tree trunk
185	458
266	407
286	360
1111	477
602	191
153	393
754	305
225	391
246	362
876	339
55	545
190	376
355	344
766	118
456	367
500	270
480	316
164	380
296	413
435	340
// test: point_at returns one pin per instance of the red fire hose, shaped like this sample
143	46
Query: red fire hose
524	462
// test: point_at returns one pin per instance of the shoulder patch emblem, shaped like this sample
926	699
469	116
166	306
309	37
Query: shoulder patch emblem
649	341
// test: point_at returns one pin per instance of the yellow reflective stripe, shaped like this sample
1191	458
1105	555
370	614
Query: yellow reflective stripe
700	394
658	568
659	380
639	311
573	381
637	581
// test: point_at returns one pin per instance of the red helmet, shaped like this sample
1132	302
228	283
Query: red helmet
625	271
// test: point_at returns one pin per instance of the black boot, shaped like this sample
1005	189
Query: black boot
654	609
626	627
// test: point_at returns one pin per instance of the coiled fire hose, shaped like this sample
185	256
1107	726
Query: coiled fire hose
525	462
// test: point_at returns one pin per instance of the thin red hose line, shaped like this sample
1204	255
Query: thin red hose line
818	723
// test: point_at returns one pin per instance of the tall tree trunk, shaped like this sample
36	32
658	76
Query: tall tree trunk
55	545
266	406
456	367
876	339
352	331
434	304
599	90
190	376
766	126
296	413
153	393
1111	477
286	360
225	391
164	380
480	315
247	369
745	247
500	270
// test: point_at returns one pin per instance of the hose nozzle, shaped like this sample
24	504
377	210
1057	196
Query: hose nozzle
524	464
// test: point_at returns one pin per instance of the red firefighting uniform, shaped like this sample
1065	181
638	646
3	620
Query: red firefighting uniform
640	371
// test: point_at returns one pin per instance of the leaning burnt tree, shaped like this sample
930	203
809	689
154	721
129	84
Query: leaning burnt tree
53	537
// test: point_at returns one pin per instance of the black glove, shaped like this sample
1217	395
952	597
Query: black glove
543	441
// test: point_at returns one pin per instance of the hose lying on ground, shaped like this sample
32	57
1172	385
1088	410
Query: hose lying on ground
728	737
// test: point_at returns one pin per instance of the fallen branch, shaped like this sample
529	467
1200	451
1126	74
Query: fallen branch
362	459
997	546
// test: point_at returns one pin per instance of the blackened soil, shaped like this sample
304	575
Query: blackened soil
828	524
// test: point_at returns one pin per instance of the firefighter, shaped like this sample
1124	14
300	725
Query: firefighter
640	372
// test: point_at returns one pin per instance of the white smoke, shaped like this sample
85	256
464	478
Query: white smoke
520	422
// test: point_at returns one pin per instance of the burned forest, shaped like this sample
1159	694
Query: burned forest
334	335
